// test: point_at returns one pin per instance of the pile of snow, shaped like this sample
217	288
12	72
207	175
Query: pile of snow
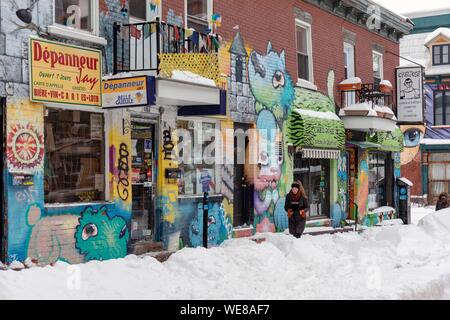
188	76
437	223
392	262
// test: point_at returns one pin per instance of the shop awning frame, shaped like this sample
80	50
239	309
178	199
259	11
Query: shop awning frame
310	153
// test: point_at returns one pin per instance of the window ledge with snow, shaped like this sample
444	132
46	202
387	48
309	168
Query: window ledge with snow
306	84
74	34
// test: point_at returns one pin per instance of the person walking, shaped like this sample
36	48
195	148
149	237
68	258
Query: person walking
442	202
296	206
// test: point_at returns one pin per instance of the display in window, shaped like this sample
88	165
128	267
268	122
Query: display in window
74	13
74	161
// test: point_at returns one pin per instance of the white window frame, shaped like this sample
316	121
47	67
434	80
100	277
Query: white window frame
76	34
377	53
209	12
303	82
350	47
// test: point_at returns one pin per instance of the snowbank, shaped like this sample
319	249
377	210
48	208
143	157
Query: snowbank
437	223
392	262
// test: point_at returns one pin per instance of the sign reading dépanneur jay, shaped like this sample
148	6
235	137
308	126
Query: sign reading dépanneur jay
63	73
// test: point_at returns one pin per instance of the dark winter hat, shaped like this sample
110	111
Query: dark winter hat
295	185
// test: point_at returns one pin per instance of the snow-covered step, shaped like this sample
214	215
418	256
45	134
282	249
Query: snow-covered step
313	223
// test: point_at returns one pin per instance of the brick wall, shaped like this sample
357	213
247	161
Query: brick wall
269	20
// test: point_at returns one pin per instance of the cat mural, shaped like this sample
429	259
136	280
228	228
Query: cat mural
273	90
75	238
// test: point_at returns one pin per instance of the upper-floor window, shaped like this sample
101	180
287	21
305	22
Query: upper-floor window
138	9
198	13
349	60
78	14
377	59
441	107
304	51
441	54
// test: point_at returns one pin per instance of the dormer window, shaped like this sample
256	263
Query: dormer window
441	54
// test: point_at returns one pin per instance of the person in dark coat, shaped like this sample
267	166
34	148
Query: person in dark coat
296	206
442	201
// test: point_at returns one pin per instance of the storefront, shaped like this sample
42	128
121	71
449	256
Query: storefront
374	166
317	139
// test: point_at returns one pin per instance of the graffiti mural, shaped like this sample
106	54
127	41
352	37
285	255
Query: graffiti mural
363	184
99	237
192	233
343	182
75	237
25	147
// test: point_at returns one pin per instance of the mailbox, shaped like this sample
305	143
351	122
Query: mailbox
404	199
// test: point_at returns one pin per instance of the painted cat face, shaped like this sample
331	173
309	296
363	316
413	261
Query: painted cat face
270	83
270	155
100	237
216	226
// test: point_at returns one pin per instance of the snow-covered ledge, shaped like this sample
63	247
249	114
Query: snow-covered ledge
74	34
306	84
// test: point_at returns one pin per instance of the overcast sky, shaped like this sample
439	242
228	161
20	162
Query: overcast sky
407	6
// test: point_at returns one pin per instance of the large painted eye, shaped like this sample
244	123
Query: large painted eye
90	230
278	79
263	158
411	137
122	232
211	220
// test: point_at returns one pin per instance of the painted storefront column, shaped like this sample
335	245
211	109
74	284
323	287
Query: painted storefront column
25	201
167	204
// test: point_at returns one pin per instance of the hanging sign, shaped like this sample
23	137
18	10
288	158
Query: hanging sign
63	73
410	100
127	92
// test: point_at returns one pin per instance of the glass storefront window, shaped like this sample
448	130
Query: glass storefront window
74	156
377	183
315	176
198	170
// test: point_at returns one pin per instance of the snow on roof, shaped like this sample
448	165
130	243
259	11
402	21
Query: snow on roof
351	80
428	141
192	77
318	114
406	181
438	32
437	70
383	209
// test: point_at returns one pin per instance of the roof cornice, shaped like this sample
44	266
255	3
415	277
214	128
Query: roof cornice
392	26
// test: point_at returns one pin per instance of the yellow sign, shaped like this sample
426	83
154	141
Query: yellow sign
63	73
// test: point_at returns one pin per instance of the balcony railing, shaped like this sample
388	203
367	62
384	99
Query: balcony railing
144	46
367	94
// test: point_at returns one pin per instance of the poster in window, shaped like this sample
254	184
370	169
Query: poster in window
205	180
96	126
410	94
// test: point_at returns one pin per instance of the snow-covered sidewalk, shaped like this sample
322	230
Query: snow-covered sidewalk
393	262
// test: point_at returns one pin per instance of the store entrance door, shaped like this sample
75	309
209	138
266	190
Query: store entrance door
143	183
314	174
2	157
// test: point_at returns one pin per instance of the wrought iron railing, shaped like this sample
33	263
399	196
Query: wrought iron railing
137	46
367	93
